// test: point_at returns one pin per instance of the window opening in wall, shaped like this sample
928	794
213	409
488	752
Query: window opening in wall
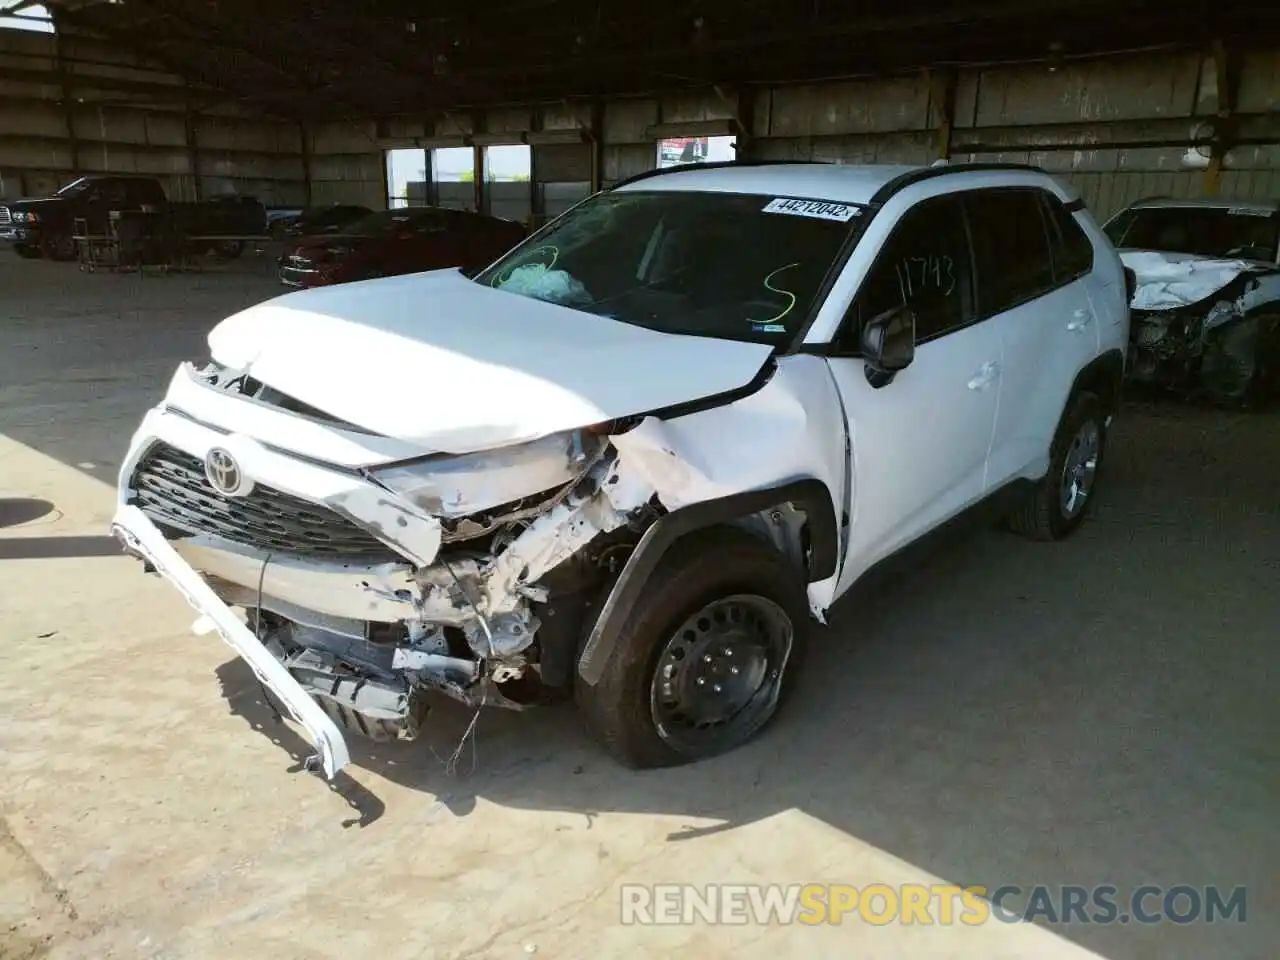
24	15
453	170
679	150
506	173
406	177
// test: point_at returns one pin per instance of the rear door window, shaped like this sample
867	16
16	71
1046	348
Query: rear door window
1010	247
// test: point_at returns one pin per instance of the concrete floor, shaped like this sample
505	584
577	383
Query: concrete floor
1096	712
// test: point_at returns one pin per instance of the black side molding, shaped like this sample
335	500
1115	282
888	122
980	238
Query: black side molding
810	495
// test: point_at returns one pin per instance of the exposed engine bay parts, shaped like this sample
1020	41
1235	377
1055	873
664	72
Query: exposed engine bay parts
1205	327
1206	311
466	575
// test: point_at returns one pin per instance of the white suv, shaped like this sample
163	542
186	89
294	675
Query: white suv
629	460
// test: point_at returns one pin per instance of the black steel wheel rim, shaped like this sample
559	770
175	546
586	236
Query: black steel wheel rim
717	677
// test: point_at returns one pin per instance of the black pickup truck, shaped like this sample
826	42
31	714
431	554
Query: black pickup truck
46	226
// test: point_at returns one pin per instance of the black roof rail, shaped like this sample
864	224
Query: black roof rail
904	180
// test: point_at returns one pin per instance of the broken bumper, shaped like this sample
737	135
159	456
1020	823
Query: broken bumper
141	538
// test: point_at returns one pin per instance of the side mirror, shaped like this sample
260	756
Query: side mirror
889	345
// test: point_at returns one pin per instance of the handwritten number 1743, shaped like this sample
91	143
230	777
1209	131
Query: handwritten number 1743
921	275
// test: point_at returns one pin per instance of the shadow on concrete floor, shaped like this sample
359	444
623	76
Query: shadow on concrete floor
50	548
15	511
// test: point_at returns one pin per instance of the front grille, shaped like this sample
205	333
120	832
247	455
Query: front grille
5	216
171	488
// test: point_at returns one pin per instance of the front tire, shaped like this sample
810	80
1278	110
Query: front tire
1059	503
59	246
702	666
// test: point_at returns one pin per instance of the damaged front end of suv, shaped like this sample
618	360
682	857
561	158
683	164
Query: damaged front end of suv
1205	315
1220	344
467	575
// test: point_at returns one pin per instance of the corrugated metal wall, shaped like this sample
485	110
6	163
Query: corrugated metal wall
1118	128
119	116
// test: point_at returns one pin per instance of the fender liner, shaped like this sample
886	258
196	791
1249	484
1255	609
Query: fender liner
810	495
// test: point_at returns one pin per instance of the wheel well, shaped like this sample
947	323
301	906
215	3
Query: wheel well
797	518
1104	377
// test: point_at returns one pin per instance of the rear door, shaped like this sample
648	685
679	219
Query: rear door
1041	307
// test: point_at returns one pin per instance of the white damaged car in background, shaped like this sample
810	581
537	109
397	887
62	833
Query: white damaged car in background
1206	311
628	462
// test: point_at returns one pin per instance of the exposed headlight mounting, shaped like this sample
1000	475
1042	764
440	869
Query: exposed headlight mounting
1222	312
459	486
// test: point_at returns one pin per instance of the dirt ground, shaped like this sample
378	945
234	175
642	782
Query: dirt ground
1101	711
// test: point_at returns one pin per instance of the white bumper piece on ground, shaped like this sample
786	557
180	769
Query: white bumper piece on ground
141	537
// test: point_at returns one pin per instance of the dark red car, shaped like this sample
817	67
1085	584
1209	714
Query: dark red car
405	240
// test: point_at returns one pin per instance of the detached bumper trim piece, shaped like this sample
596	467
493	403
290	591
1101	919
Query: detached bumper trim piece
140	537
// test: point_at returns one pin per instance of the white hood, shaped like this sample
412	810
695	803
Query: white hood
1167	281
450	365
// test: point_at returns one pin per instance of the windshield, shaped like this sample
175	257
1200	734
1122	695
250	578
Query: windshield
733	266
75	186
1203	231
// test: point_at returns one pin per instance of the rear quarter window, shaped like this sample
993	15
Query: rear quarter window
1069	245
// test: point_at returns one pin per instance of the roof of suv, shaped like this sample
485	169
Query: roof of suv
844	183
828	181
1220	203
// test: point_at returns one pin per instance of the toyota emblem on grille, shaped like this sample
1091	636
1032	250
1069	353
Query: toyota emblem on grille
224	474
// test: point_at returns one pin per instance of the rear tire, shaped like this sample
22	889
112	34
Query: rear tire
1058	504
715	642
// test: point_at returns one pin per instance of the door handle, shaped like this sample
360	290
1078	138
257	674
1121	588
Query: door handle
1079	320
985	375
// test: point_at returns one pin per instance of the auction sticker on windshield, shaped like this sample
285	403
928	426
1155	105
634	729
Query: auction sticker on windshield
820	209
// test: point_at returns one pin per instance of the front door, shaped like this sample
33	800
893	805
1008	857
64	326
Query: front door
919	445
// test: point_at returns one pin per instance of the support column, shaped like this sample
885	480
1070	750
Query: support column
597	146
477	160
744	142
304	140
942	95
1227	73
193	145
68	105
